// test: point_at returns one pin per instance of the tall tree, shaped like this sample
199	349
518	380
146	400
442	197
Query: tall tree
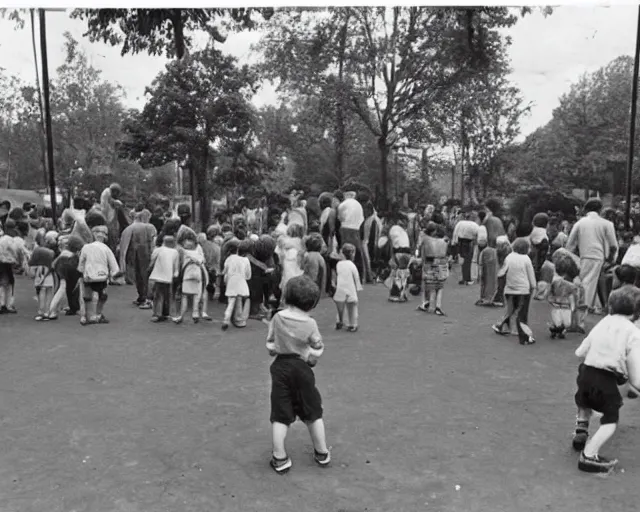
401	60
163	31
195	104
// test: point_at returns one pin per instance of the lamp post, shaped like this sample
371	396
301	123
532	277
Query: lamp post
632	127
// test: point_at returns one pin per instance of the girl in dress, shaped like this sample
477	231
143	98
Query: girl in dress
194	281
347	287
236	273
65	267
435	268
41	267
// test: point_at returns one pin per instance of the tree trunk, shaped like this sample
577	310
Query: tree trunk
340	109
203	189
178	32
41	130
384	171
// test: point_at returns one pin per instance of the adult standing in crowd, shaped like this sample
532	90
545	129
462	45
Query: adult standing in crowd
495	228
593	239
351	217
464	237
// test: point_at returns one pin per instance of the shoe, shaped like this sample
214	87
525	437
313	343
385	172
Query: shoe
439	312
322	459
498	330
595	464
339	326
529	341
352	329
423	307
207	318
3	310
553	332
632	394
145	305
102	320
470	283
461	283
196	319
562	334
69	312
177	320
280	466
155	319
12	310
225	326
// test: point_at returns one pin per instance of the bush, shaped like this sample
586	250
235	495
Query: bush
543	199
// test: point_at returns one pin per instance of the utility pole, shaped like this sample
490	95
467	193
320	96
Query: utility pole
632	127
47	114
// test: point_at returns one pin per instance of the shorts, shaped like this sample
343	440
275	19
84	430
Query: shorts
6	274
598	390
293	391
90	288
342	296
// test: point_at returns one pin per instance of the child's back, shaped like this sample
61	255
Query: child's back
293	331
164	264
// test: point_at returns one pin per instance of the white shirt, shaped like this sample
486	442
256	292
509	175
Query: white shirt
350	214
97	263
399	237
609	343
520	275
347	282
466	229
632	256
165	262
483	235
592	237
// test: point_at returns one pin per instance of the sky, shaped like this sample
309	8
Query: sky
547	54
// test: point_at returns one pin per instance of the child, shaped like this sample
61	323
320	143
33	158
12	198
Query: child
41	264
520	284
611	357
237	271
98	265
399	277
296	343
435	267
66	268
164	269
211	250
13	253
539	241
194	281
503	249
314	264
347	287
563	297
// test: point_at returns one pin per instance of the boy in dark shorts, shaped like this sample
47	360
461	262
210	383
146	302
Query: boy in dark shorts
611	354
296	343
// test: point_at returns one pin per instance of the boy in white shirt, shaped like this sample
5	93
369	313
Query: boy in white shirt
164	270
611	354
347	287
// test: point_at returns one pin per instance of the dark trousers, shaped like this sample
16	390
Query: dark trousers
518	309
162	297
73	292
499	296
141	264
352	236
465	248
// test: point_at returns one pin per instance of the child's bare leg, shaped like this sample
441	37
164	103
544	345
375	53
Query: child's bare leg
318	437
278	435
57	298
48	296
184	305
228	312
352	314
195	309
205	306
597	441
432	299
340	315
439	294
42	301
100	302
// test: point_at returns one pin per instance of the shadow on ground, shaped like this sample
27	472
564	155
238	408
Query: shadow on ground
423	413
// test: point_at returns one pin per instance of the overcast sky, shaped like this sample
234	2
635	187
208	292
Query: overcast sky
547	54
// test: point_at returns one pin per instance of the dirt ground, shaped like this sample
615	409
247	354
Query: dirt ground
422	412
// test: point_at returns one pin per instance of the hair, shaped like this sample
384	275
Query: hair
6	204
441	232
302	293
482	215
17	214
314	242
520	246
22	227
75	243
232	246
212	232
295	231
244	247
240	233
540	220
626	274
437	217
94	218
593	205
431	228
627	237
349	251
226	227
567	268
625	301
339	195
325	199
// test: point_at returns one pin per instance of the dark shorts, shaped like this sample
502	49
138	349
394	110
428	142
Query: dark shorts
99	288
598	390
293	391
6	274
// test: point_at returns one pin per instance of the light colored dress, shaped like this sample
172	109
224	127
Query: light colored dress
237	271
193	274
348	282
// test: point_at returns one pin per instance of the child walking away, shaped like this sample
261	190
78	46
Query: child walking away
13	253
563	297
314	264
237	271
611	357
41	264
399	277
98	265
164	270
66	268
194	282
296	343
520	284
347	287
435	267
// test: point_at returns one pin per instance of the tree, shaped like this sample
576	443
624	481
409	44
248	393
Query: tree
159	31
194	106
398	61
